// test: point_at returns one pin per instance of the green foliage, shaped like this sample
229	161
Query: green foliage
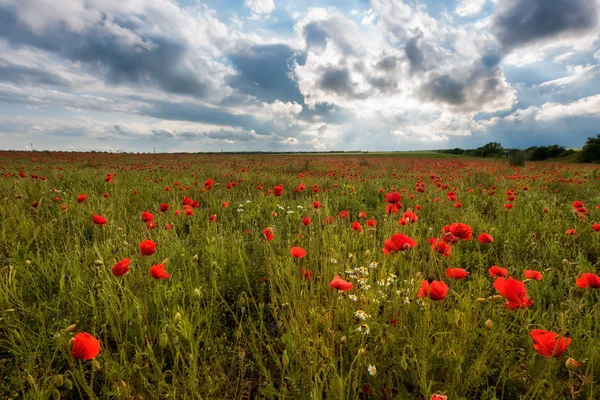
518	159
590	152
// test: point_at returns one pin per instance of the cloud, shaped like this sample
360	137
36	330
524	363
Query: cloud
576	73
122	43
582	107
520	22
260	7
469	7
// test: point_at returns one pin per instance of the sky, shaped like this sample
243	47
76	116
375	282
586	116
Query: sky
297	75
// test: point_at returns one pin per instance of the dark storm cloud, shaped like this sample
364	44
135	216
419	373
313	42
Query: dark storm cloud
262	71
520	22
336	80
157	60
414	54
445	89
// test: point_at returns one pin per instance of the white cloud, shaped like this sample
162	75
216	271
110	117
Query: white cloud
576	73
260	7
469	7
586	106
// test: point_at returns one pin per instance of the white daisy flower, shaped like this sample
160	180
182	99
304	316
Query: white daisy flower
372	370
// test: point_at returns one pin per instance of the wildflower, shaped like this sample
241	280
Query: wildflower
361	314
372	370
298	252
85	346
497	271
99	220
147	247
456	273
435	290
364	329
549	344
340	284
532	274
485	238
588	280
121	268
398	242
514	292
158	271
439	246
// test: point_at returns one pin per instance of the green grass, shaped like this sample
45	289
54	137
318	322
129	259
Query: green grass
238	320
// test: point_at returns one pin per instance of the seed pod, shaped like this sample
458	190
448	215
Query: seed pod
163	340
488	324
343	340
286	359
361	351
177	319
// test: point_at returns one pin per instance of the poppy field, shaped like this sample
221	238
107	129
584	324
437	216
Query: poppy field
246	276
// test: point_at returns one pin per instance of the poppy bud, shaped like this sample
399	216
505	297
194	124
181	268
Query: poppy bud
195	258
98	262
59	380
488	324
70	328
96	365
197	292
163	340
241	353
68	384
571	364
177	318
565	262
496	297
28	262
482	300
55	395
286	359
343	340
361	351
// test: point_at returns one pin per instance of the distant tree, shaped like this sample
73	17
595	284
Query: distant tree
591	150
490	149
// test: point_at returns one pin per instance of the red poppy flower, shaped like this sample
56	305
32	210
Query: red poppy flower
328	220
578	204
548	343
508	206
356	226
307	274
85	346
187	201
305	221
109	178
371	223
439	246
408	218
278	190
596	227
225	204
209	184
298	252
398	242
316	204
435	290
461	231
362	214
99	220
164	207
340	284
485	238
438	397
344	214
571	232
393	197
533	274
147	217
81	198
456	273
514	292
121	268
168	226
189	212
147	247
588	280
268	233
158	272
497	271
